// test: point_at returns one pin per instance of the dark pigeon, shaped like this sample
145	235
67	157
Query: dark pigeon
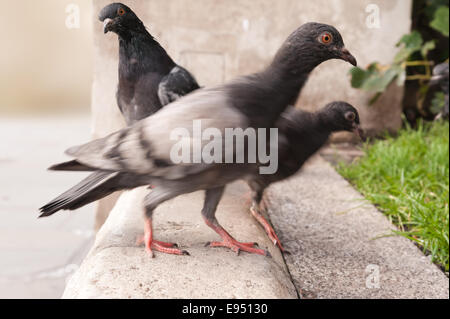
142	152
148	77
440	77
301	135
148	80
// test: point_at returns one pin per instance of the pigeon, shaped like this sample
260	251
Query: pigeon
148	80
143	154
301	135
440	77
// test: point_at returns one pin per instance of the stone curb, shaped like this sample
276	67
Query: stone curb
332	233
338	242
117	268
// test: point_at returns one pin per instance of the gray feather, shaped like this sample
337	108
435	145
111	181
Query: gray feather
137	148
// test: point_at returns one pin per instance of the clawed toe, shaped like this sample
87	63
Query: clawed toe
237	247
151	244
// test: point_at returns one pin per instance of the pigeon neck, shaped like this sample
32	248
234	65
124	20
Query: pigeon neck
326	120
296	60
286	87
305	131
140	53
263	96
316	121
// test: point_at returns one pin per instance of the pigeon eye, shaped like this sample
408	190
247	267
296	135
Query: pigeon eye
350	116
121	11
326	38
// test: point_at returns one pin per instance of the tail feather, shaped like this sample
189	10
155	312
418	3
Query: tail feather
72	166
92	188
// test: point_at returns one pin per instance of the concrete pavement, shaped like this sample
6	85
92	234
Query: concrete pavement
36	256
333	235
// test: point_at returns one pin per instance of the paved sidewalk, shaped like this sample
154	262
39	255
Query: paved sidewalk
36	256
330	230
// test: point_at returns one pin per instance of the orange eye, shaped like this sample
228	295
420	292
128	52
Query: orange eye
326	38
121	11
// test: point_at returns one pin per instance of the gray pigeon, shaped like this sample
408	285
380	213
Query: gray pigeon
142	154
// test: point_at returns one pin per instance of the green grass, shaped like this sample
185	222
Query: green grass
407	177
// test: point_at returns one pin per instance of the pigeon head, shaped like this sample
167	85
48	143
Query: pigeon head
342	116
120	19
310	45
440	75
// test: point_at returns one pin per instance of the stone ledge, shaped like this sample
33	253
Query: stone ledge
117	268
337	243
325	223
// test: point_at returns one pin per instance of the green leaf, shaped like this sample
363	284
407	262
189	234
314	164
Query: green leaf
441	22
427	47
379	82
411	43
373	80
432	6
359	76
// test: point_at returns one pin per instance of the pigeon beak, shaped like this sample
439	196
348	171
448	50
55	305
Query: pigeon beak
345	55
359	131
107	25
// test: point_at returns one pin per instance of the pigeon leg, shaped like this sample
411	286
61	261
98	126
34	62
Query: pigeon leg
141	240
258	204
151	244
212	199
266	225
151	201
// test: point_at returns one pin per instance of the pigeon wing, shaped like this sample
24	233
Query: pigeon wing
146	147
177	83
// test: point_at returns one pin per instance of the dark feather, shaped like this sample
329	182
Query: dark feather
302	134
71	166
94	187
79	195
177	83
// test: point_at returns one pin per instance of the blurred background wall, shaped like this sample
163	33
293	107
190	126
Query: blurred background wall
44	65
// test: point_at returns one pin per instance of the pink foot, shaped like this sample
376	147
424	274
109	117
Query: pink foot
151	244
231	243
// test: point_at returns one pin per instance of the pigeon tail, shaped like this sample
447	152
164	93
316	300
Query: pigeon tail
92	188
72	166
